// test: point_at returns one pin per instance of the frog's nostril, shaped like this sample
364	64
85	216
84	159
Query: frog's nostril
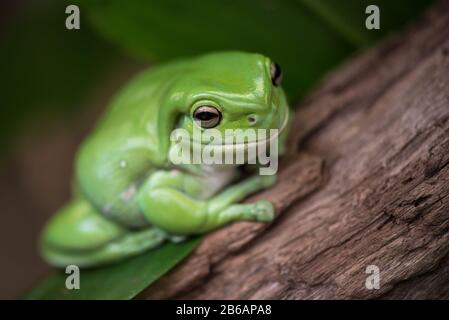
252	119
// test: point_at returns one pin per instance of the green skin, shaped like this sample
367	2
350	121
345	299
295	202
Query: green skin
129	197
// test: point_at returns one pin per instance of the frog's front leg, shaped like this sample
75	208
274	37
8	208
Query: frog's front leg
171	202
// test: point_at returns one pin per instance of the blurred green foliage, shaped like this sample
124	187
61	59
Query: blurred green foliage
306	37
45	68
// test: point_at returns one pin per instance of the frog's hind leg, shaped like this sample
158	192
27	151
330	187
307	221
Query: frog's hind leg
78	235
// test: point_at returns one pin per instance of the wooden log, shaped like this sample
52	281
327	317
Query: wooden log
366	182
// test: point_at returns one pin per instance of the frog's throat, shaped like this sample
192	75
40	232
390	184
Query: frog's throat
272	137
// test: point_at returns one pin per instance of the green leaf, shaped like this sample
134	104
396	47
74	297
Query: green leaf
119	281
307	37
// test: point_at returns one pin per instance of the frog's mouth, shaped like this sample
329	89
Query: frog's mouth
274	134
185	150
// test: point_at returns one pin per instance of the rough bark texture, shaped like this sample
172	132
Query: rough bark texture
366	183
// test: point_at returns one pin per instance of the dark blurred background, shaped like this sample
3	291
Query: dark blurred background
55	82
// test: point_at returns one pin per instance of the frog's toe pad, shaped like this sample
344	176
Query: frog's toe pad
269	180
263	211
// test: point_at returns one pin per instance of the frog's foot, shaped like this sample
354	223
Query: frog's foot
78	235
268	181
260	211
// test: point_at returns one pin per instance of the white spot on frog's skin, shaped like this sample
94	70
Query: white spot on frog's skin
177	239
123	164
128	193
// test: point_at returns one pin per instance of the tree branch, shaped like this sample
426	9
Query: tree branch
381	124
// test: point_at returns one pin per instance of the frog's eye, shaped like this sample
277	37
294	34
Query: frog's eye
207	117
276	74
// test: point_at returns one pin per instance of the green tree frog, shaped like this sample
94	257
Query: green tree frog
129	197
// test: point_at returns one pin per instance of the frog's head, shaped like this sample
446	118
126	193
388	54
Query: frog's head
232	90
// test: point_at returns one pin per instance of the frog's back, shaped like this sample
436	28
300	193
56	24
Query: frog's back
125	145
136	111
